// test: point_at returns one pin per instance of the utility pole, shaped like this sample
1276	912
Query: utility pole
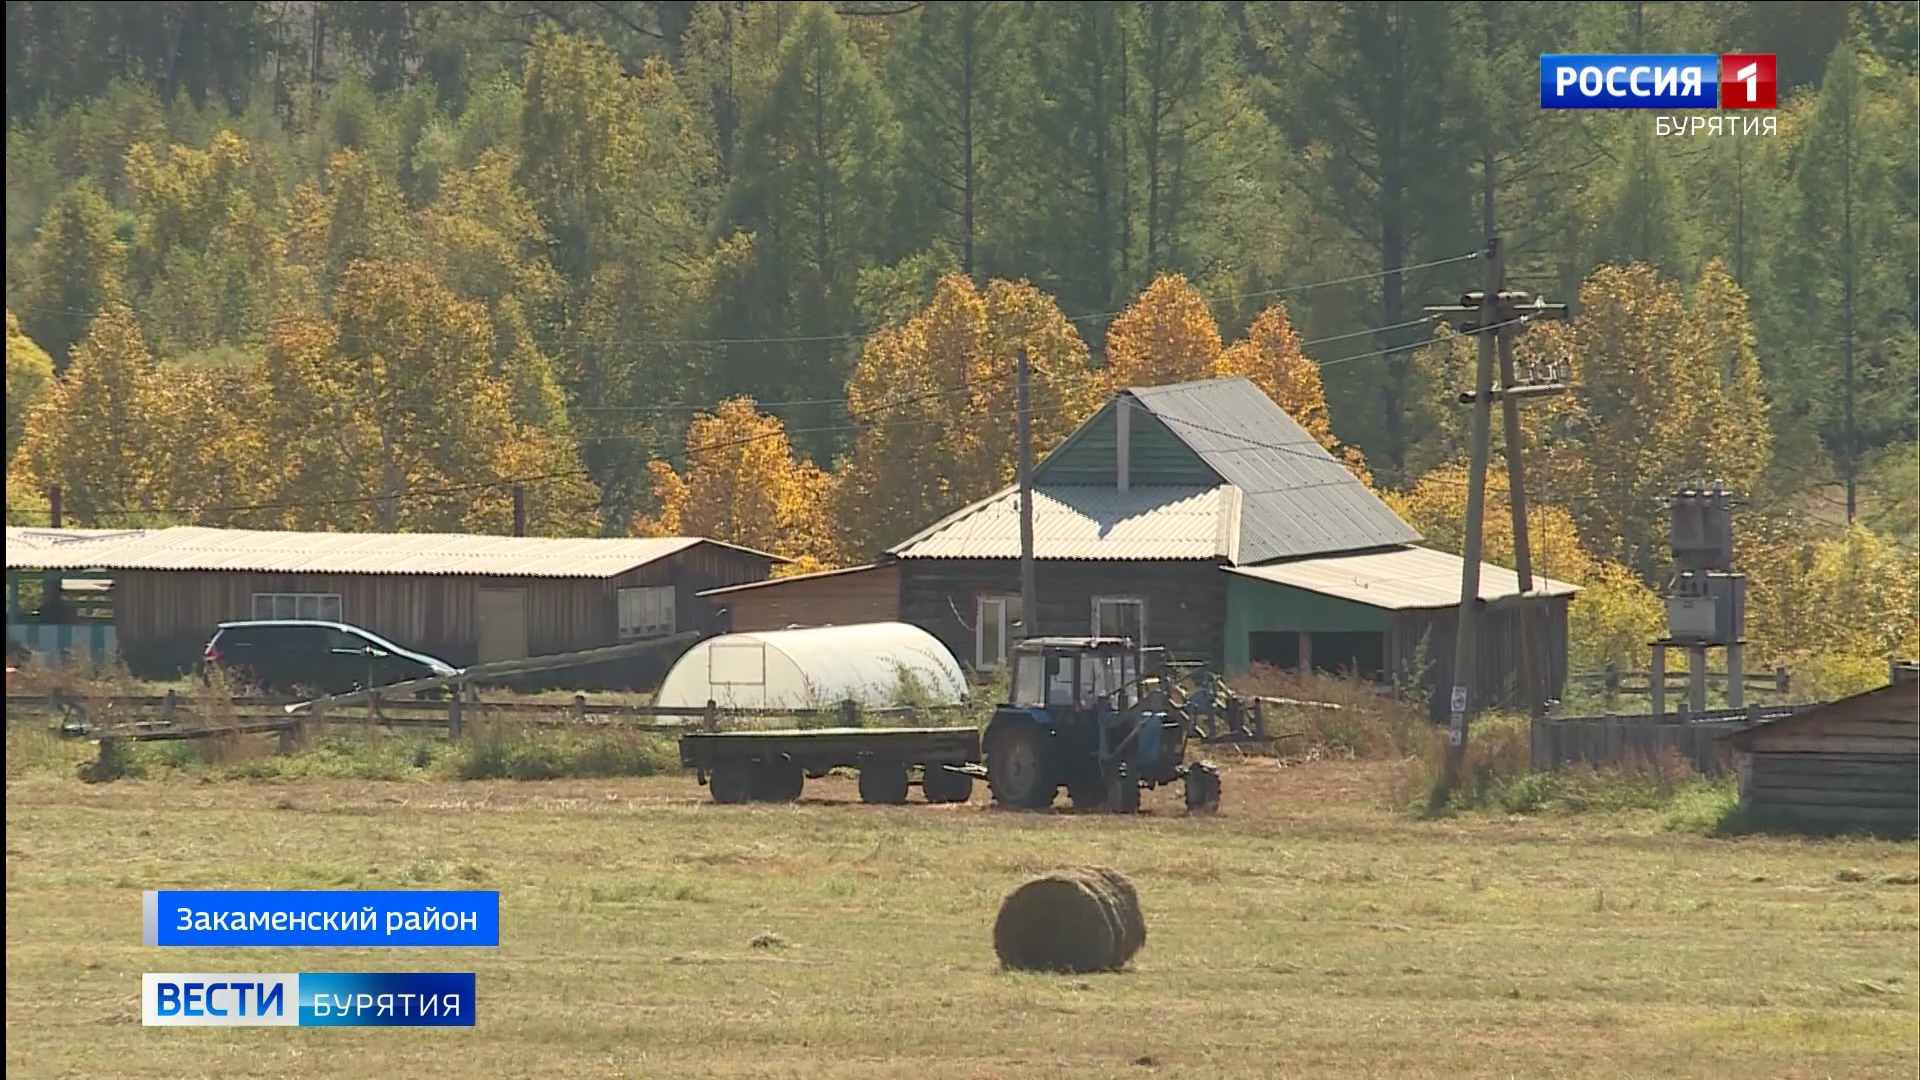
1493	315
1029	603
1517	503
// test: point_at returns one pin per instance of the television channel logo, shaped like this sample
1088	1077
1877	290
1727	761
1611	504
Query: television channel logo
308	999
1658	81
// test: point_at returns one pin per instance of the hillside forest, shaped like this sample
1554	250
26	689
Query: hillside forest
760	271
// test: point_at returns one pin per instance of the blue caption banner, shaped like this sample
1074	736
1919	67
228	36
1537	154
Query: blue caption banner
1646	81
322	919
308	999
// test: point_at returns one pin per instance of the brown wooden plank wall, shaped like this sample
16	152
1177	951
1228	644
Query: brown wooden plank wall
164	618
842	600
1497	655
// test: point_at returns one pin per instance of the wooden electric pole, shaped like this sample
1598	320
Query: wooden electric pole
1029	604
1494	316
1530	689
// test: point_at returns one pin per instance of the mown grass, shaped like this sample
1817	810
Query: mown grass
1309	930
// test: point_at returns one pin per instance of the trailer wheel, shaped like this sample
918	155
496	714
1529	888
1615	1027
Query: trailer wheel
731	782
883	782
941	785
779	780
1018	770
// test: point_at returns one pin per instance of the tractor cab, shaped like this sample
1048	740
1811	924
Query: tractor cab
1076	675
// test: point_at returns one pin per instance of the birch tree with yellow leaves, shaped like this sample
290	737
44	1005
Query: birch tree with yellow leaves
741	483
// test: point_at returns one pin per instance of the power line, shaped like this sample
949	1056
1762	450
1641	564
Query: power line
1093	316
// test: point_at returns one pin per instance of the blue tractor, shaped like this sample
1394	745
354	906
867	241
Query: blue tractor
1105	718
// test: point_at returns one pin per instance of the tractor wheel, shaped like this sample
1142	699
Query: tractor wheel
1018	770
1123	792
940	785
883	782
778	780
1203	789
731	783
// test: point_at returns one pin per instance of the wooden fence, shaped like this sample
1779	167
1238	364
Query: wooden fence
1624	740
181	716
1613	682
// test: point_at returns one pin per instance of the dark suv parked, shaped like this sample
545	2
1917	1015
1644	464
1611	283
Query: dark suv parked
285	656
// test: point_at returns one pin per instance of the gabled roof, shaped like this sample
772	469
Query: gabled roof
1203	456
1297	499
1899	701
190	548
1397	579
1086	522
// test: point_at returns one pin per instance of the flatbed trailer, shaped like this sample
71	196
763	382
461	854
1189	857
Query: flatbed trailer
773	766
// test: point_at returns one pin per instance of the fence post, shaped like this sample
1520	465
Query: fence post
167	706
1782	681
1612	684
849	713
710	719
579	706
454	716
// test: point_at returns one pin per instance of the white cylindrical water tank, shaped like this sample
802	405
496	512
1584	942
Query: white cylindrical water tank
874	664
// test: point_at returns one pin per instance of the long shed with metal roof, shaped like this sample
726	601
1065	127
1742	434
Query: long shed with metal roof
464	598
1201	517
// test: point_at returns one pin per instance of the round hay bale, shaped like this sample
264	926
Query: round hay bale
1060	922
1122	906
1133	921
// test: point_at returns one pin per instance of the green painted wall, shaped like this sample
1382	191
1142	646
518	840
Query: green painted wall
1158	457
1254	605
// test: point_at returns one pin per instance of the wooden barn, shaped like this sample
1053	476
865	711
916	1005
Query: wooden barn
1847	766
466	599
1201	517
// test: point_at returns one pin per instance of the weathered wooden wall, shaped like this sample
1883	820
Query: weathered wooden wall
1843	792
1851	765
1186	602
1423	640
866	596
164	618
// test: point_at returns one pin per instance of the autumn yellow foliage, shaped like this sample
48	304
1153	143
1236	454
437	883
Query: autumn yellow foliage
1667	392
1270	355
1169	335
742	484
1437	506
935	403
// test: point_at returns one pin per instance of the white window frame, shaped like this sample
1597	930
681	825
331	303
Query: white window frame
645	612
323	607
1001	605
1138	601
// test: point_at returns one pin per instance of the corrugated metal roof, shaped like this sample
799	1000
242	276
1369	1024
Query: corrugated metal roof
1297	499
427	554
1402	579
1075	522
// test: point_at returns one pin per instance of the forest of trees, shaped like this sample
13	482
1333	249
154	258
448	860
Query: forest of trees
759	270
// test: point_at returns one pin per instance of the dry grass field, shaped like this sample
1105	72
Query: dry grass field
1308	931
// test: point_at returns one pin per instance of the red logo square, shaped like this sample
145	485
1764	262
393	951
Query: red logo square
1746	81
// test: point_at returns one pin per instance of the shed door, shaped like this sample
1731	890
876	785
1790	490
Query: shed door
503	624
